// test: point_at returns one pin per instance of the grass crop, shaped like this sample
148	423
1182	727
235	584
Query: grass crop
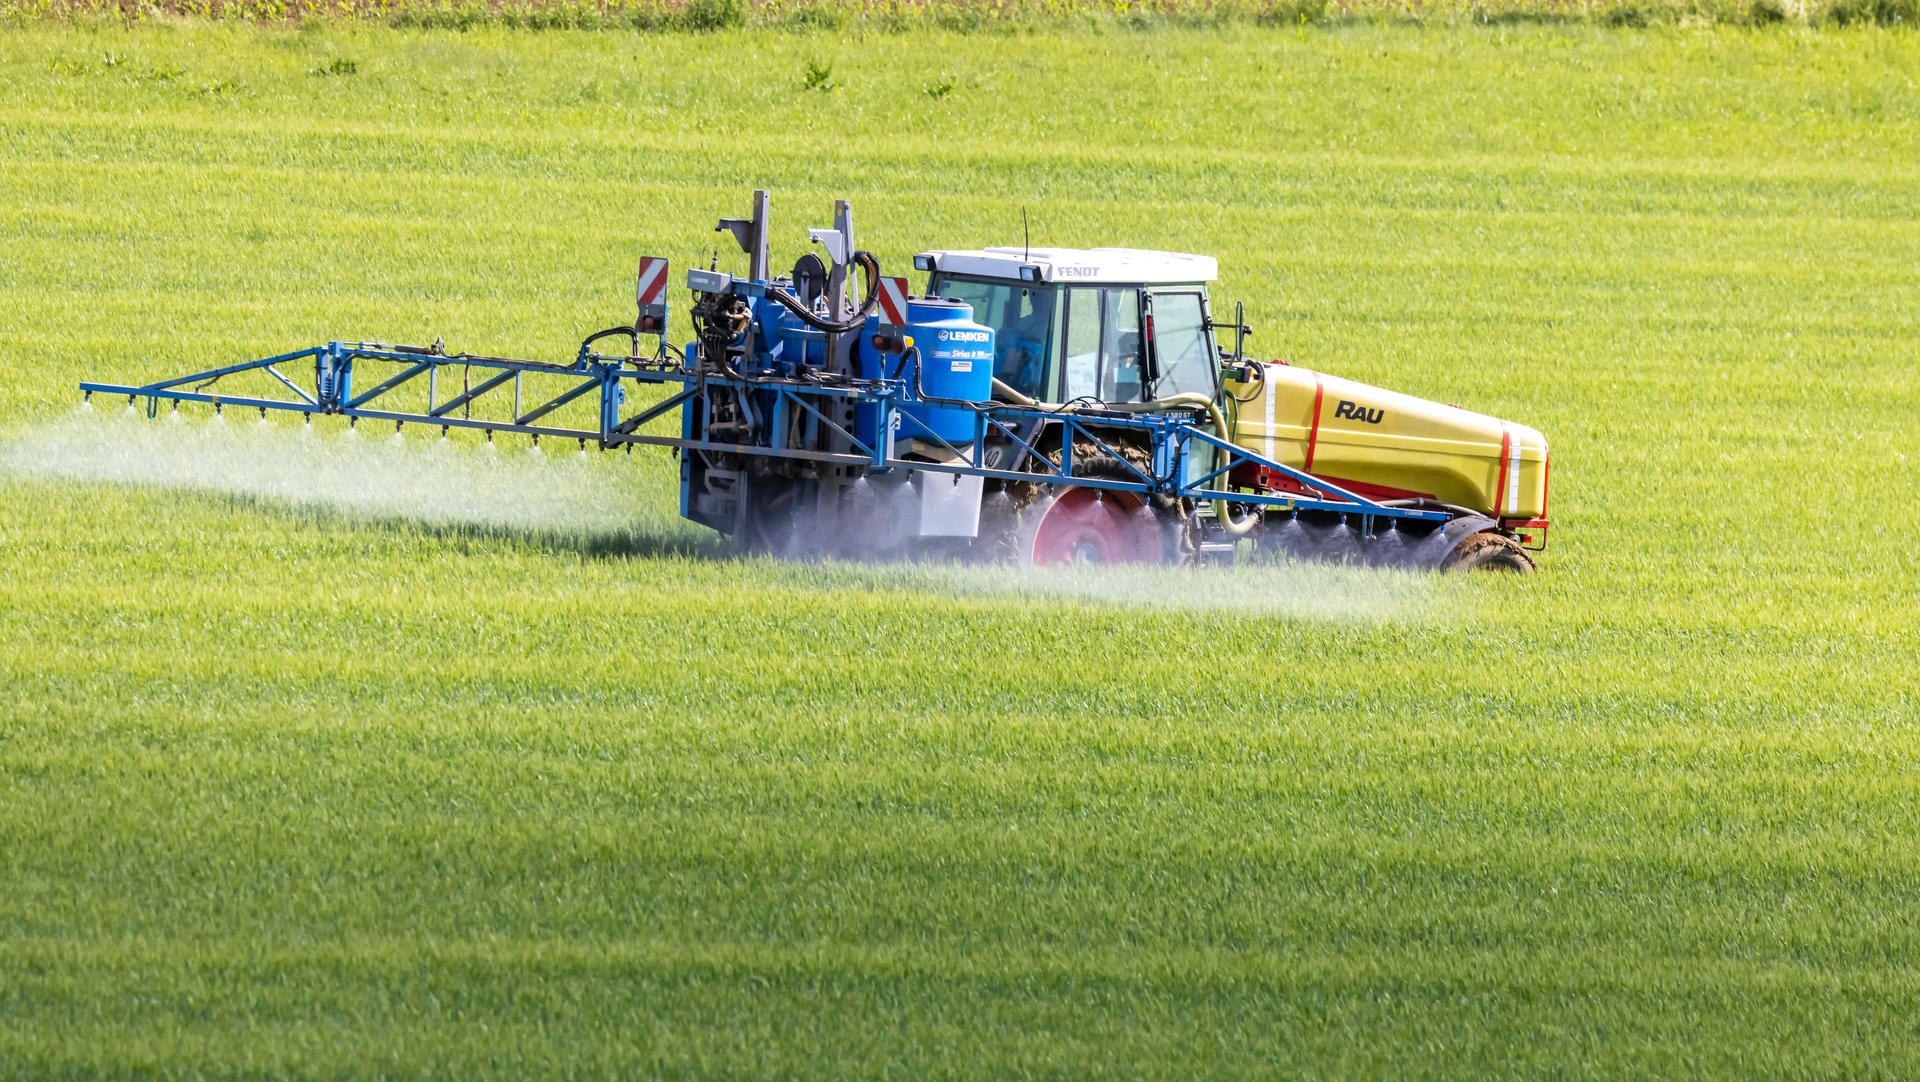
911	16
324	759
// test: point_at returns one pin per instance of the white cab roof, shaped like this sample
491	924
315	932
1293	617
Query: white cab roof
1093	265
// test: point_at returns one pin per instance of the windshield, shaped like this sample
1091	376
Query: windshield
1021	316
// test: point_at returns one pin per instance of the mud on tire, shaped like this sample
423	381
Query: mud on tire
1489	551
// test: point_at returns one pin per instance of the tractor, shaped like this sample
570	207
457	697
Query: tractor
1030	406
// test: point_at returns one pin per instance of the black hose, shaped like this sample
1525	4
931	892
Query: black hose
1261	379
800	310
609	333
961	403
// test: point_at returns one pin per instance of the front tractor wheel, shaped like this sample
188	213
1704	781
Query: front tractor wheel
1489	552
1090	526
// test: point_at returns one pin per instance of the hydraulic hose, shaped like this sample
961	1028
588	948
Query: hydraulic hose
1184	400
913	353
1260	379
588	342
791	303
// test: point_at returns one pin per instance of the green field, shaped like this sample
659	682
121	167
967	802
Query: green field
326	756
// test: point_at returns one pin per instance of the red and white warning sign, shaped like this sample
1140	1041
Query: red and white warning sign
653	281
893	301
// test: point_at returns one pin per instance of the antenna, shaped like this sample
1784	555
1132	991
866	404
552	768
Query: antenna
1026	252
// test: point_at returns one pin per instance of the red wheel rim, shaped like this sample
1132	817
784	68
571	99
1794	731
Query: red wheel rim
1091	526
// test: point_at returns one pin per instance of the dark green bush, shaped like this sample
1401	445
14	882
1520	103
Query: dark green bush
1625	13
815	15
1874	13
1295	13
710	15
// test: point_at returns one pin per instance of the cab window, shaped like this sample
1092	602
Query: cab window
1182	348
1103	349
1022	320
1083	344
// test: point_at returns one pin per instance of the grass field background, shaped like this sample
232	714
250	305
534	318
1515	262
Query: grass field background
399	780
993	16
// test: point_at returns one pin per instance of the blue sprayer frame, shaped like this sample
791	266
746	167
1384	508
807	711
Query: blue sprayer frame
1187	461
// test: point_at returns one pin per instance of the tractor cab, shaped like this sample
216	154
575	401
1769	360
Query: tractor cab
1087	325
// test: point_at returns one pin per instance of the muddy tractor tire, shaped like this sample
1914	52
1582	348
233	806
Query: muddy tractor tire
1489	551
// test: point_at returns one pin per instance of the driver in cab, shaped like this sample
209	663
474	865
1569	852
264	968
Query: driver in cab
1021	342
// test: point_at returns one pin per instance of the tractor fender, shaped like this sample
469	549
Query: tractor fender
1466	526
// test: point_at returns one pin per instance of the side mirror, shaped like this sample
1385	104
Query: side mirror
1241	332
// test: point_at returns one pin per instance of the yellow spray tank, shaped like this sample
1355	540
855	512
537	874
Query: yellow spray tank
1389	446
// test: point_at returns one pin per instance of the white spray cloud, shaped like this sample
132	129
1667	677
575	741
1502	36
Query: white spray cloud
363	472
1314	591
369	473
1317	589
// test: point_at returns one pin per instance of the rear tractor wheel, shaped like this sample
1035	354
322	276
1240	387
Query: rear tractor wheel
1080	525
1489	551
1090	526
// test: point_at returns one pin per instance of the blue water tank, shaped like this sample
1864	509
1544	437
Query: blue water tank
955	359
785	343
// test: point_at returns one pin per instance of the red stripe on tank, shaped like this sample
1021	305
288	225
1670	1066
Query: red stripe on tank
1313	434
1506	453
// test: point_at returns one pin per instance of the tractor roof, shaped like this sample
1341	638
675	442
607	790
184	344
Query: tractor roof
1132	266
